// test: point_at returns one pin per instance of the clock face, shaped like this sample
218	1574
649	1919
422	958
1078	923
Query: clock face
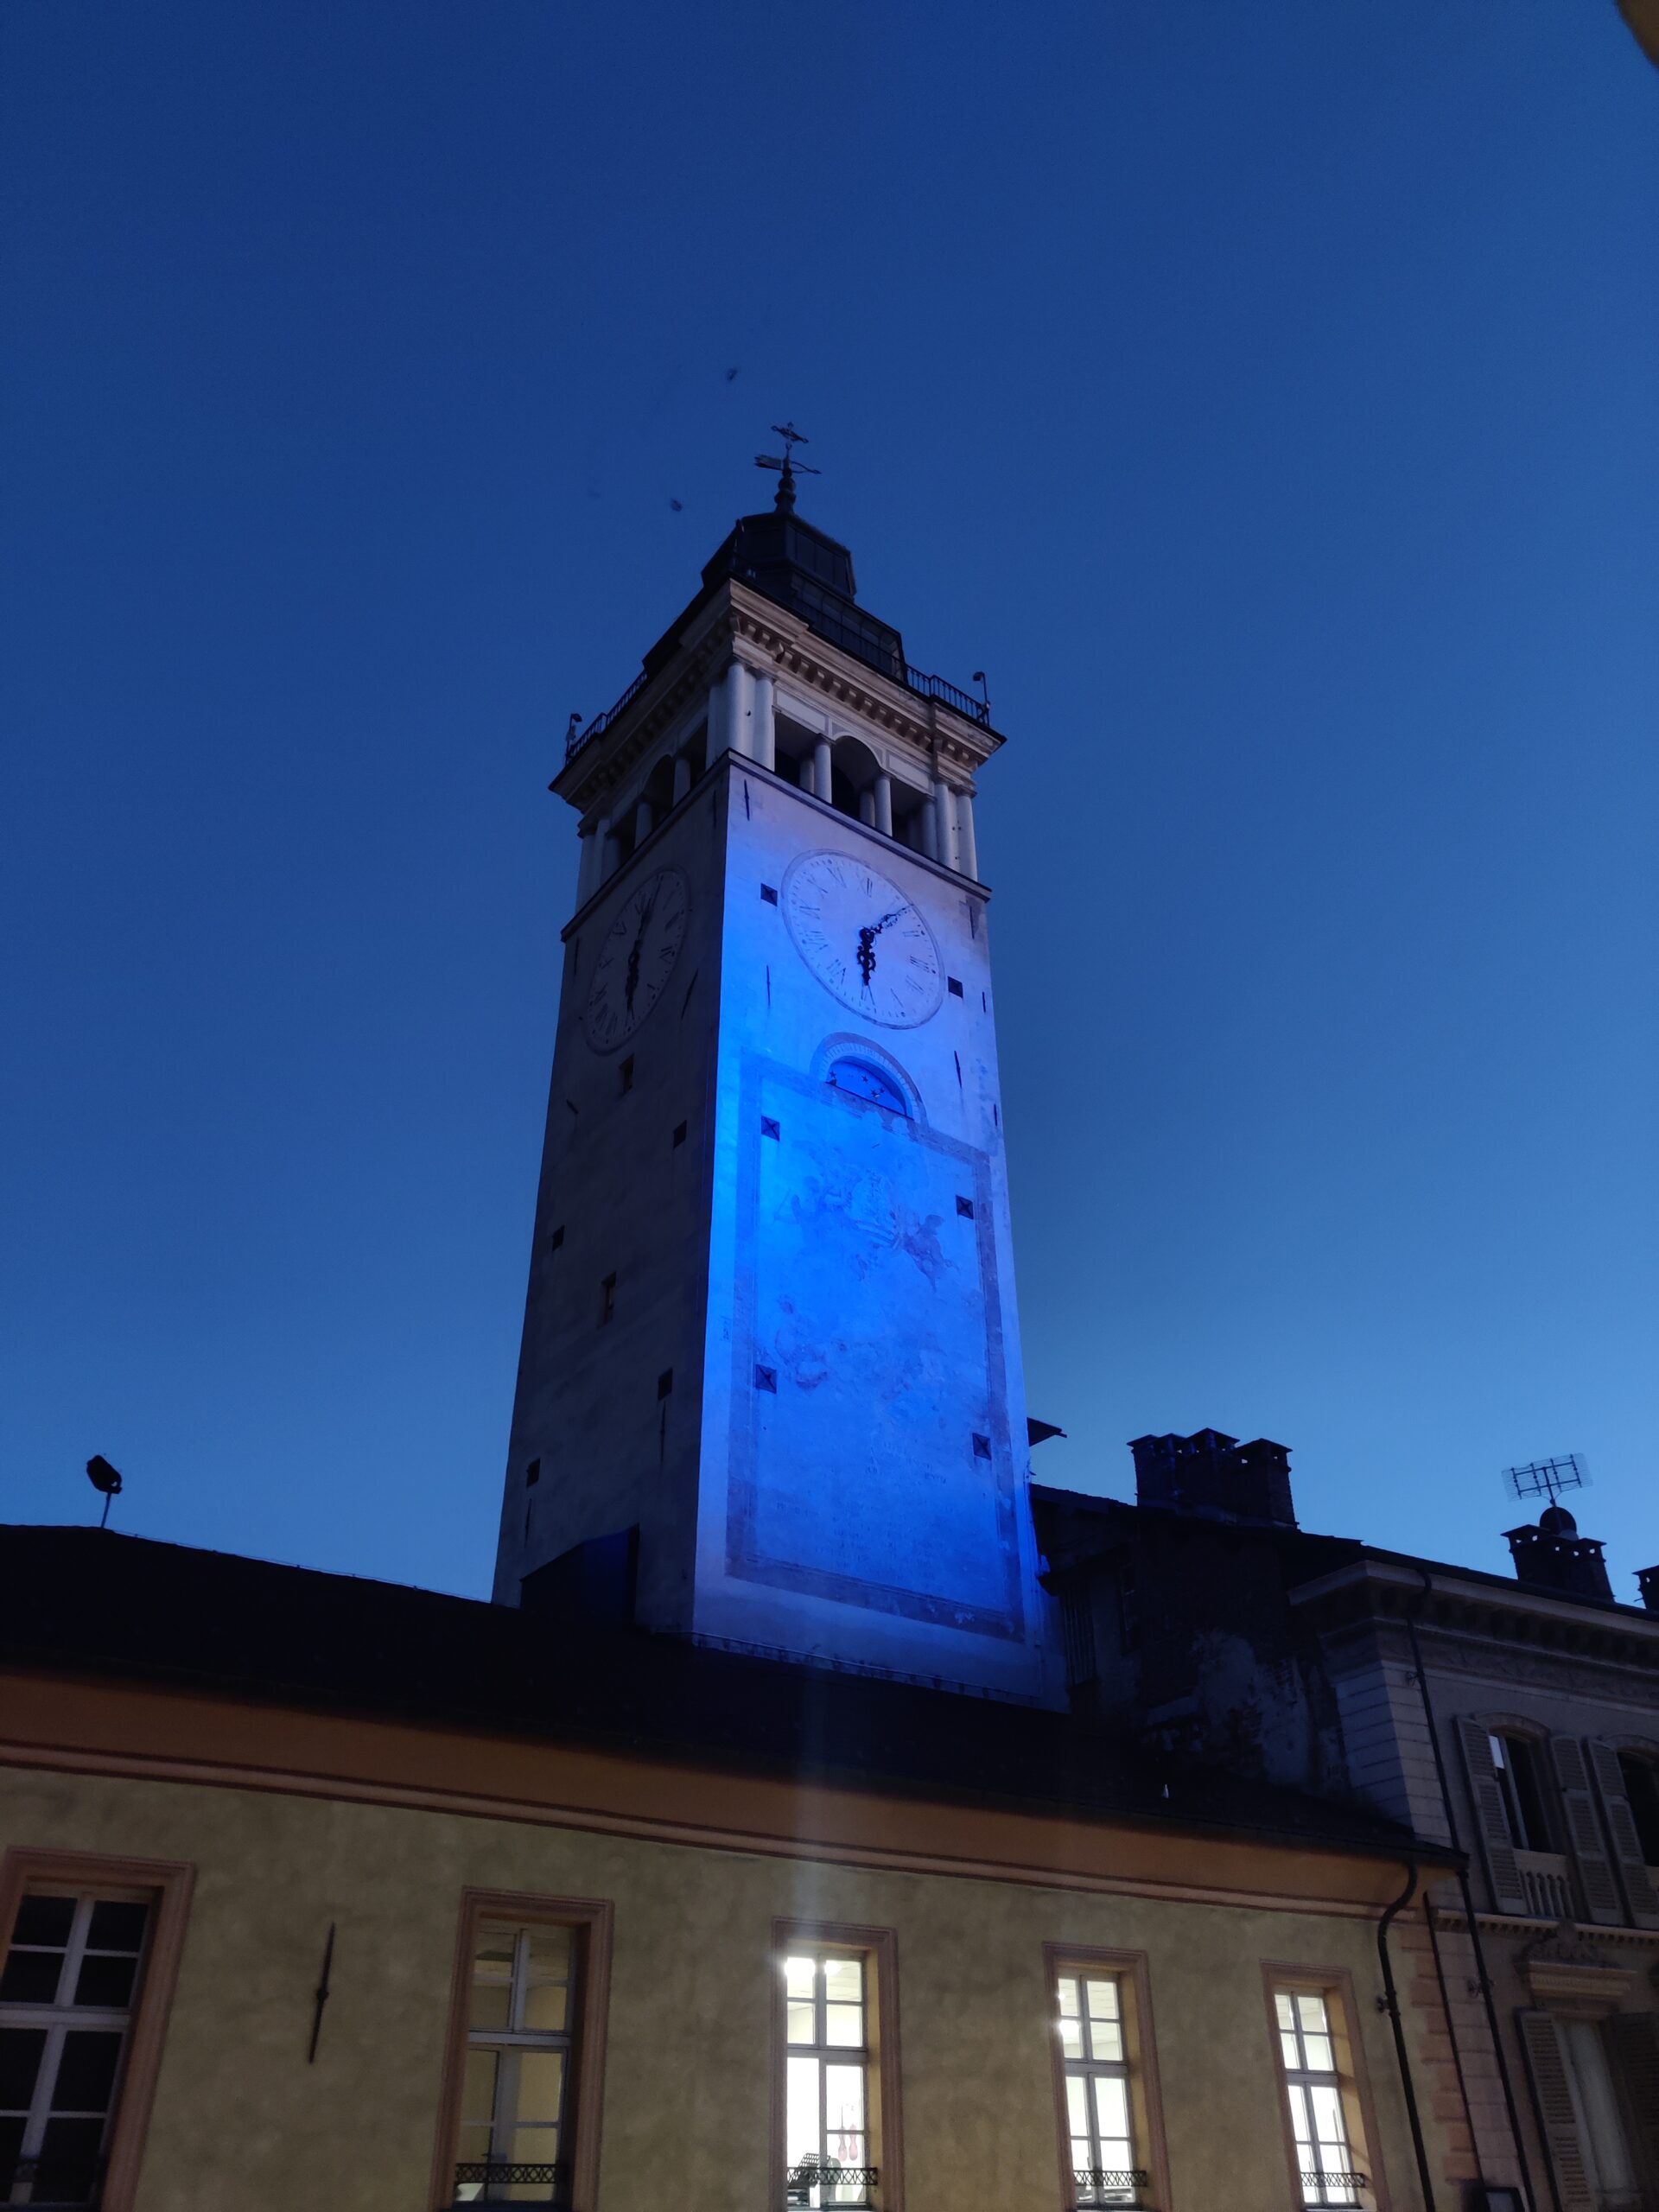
864	939
636	960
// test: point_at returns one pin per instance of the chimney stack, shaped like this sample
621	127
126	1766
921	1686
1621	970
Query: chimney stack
1215	1475
1647	1579
1554	1556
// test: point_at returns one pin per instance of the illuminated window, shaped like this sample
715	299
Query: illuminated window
827	2078
1099	2111
865	1079
67	1995
1318	2090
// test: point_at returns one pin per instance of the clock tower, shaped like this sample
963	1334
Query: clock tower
769	1389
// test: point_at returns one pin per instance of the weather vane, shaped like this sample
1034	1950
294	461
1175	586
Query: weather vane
787	466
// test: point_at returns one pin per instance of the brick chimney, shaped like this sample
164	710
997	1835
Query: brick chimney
1215	1475
1554	1556
1647	1580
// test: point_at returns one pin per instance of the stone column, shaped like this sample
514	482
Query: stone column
763	723
681	776
643	824
967	848
608	854
720	718
867	807
821	767
739	689
928	816
884	805
945	827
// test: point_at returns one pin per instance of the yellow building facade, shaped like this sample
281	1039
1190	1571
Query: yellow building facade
340	1805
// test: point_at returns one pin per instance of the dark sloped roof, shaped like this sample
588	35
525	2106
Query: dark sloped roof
90	1602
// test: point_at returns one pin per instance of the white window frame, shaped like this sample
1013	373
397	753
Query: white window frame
516	2038
856	2191
1320	2184
1088	2180
60	2017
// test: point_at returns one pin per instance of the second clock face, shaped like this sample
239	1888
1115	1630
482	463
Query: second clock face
636	960
864	939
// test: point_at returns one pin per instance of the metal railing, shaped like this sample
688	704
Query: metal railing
834	2183
502	2181
1118	2185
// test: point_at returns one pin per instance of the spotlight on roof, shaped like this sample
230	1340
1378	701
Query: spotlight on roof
103	1477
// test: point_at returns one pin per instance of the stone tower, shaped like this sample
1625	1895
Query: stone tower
770	1390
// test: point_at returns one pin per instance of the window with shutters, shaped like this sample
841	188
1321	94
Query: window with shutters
1640	1776
1328	2124
1590	2080
520	2108
85	1974
1515	1762
1106	2090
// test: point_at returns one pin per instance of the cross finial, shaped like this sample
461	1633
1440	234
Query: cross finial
792	437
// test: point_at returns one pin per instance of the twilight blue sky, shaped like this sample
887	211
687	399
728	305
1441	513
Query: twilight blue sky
1264	394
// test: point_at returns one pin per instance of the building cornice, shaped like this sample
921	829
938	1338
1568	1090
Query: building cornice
1467	1606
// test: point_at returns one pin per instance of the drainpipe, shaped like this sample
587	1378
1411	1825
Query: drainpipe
1413	1615
1391	2006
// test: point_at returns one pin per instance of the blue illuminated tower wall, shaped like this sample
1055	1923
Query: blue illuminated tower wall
771	1371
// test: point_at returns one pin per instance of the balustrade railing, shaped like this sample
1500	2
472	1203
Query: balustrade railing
1547	1884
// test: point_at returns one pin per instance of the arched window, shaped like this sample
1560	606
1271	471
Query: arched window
864	1079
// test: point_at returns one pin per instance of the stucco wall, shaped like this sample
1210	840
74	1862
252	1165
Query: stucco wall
240	2120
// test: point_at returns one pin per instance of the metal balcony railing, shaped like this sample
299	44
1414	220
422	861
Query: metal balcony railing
501	2181
826	2182
1117	2185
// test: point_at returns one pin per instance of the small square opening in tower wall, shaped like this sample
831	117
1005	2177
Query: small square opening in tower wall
626	1071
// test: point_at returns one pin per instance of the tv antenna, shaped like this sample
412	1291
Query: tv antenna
787	465
1549	1477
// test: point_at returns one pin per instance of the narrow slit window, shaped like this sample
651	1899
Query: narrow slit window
607	1299
679	1135
626	1072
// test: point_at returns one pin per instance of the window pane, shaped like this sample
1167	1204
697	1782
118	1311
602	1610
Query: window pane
68	2171
1102	2000
801	2109
843	2026
800	1976
1328	2127
843	2099
1069	2003
536	2146
493	1975
547	2006
803	2024
1111	2105
44	1920
1301	2123
31	1977
116	1927
1319	2059
87	2070
843	1982
1076	2104
107	1981
550	1953
19	2061
1312	2012
1286	2017
1291	2051
1071	2038
541	2085
478	2090
1106	2040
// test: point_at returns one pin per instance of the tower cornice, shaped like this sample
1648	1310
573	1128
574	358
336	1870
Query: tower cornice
733	622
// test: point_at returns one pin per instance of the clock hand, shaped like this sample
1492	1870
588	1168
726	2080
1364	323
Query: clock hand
632	984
